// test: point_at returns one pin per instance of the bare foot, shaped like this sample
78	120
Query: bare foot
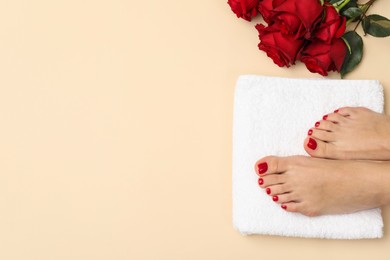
350	133
315	186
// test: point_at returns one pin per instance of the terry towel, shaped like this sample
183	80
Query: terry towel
271	117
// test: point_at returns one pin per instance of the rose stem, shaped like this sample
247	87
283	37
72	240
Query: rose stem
366	6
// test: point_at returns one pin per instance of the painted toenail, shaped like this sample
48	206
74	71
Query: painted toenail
336	111
275	198
317	124
310	132
312	144
284	207
268	190
263	167
261	181
325	117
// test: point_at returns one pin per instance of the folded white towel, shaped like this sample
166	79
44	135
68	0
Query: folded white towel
271	117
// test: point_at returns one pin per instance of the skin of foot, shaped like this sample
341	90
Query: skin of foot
315	186
350	133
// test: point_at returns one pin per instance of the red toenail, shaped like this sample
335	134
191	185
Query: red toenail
275	198
310	132
261	181
284	207
312	144
317	124
336	111
325	117
268	190
263	167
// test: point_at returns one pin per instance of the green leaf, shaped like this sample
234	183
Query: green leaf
349	5
322	2
352	12
342	5
354	54
376	25
348	46
339	1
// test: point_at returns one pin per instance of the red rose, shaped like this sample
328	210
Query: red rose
333	25
294	17
282	49
245	9
320	57
266	8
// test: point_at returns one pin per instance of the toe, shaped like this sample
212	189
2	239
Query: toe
347	111
335	118
300	207
317	148
325	125
283	198
321	135
291	206
270	165
272	179
276	189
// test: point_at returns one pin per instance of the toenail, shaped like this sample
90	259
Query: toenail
317	124
325	117
263	167
336	111
284	207
261	181
310	132
312	144
275	198
268	190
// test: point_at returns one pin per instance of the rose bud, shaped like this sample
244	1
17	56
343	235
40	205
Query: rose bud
282	49
245	9
296	17
320	57
333	25
265	8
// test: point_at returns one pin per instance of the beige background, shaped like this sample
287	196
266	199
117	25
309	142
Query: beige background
115	134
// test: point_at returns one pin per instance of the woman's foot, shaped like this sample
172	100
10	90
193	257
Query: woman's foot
315	186
350	133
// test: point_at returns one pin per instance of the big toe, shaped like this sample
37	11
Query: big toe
317	148
270	165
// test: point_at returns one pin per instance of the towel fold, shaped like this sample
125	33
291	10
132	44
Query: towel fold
271	117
